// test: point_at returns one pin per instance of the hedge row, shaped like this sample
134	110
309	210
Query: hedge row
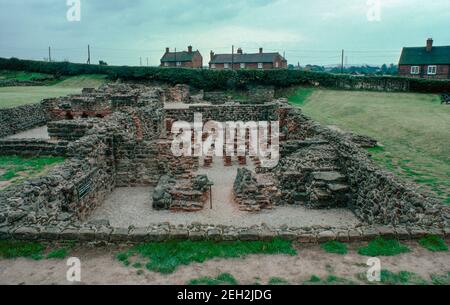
210	79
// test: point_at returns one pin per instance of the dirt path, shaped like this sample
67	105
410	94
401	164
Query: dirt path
99	266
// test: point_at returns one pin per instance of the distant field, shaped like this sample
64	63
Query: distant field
21	75
414	129
16	96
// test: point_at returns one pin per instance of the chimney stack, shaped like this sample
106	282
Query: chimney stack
429	44
190	49
167	50
239	51
211	55
260	50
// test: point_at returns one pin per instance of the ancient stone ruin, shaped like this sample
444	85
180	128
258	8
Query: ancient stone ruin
117	143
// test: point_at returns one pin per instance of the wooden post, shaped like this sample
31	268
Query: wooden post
210	196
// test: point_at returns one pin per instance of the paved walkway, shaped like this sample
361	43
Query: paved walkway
40	133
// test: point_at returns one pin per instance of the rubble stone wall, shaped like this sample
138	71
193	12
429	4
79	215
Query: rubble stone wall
33	148
376	196
17	119
69	192
224	113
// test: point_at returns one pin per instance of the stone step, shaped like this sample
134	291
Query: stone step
328	176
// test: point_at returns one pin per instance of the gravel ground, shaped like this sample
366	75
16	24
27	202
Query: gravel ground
99	266
133	206
35	133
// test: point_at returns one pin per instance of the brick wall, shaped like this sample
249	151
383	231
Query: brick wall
442	72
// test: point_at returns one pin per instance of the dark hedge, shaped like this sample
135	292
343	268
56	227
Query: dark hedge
210	79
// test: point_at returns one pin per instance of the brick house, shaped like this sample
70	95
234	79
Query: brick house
183	59
425	62
240	60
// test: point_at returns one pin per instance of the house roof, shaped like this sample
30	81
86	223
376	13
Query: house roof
420	56
244	58
178	56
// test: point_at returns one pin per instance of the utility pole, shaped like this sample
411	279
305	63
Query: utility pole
232	57
49	54
342	62
89	55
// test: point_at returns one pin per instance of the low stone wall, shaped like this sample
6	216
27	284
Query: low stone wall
103	233
224	113
70	130
69	192
373	84
33	148
17	119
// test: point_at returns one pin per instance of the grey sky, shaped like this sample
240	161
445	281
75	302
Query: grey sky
121	31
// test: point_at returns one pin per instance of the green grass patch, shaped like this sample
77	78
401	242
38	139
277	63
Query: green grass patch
60	253
443	280
417	144
401	278
277	281
433	243
383	247
329	280
15	249
335	247
17	96
15	168
166	257
300	96
23	75
222	279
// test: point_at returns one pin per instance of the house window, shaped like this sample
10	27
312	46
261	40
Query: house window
226	66
432	70
166	64
242	65
178	63
213	66
260	65
415	70
277	64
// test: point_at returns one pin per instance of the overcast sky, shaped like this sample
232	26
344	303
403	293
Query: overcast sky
310	32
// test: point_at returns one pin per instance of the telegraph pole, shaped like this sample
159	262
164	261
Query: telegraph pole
342	62
49	54
89	55
232	57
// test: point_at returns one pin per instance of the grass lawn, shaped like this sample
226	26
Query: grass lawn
21	75
16	96
14	169
166	257
414	129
